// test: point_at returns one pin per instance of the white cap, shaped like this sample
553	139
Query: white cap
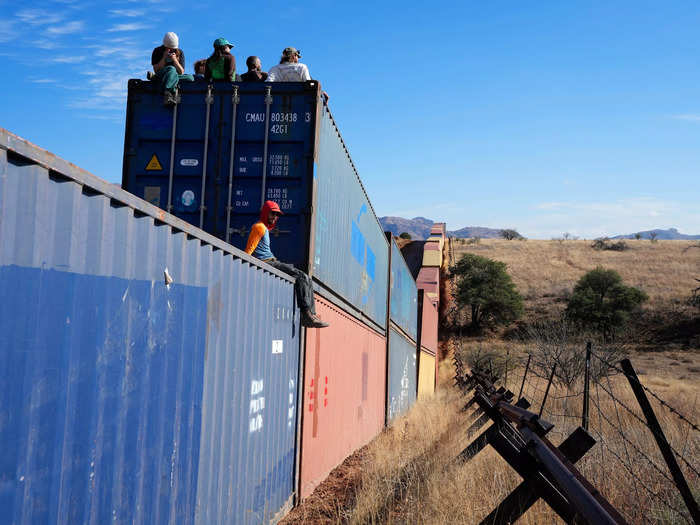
170	40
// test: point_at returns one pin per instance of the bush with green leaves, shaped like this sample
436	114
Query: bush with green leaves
510	235
405	235
486	289
602	302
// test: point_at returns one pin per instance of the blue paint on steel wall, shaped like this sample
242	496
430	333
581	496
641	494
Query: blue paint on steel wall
403	294
123	399
350	251
350	255
102	376
402	385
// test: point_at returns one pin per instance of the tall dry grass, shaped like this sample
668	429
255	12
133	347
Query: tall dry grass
545	271
412	475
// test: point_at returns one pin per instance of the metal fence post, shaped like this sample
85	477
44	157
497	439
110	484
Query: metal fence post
661	441
546	392
522	385
586	387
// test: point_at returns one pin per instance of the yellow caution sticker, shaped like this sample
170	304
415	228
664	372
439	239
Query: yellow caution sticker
154	164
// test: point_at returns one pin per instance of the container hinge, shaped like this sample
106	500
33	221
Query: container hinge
209	98
235	98
268	95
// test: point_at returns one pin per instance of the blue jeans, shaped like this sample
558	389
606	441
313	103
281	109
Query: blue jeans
168	78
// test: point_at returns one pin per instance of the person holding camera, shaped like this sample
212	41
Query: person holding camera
168	63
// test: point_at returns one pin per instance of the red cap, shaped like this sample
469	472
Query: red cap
273	206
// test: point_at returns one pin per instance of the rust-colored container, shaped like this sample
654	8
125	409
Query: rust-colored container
426	374
428	275
428	316
344	392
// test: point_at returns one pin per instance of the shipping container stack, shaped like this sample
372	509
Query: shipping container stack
174	355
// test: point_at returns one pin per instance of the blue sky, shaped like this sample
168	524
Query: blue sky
548	117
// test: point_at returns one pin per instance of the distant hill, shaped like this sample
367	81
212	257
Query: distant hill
670	234
419	228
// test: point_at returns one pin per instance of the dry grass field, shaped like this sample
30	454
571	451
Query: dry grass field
546	271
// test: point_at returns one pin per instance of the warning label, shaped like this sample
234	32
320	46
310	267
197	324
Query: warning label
154	164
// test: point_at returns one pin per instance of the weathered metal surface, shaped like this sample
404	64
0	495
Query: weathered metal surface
426	375
149	374
429	326
432	257
328	228
343	406
403	294
436	239
351	253
402	387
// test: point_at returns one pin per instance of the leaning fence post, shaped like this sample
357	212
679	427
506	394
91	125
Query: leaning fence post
507	356
586	386
546	392
522	385
661	441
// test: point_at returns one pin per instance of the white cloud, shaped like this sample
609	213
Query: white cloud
8	31
67	28
38	17
128	13
136	26
692	117
69	59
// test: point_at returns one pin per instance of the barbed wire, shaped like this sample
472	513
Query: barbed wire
634	414
671	409
603	445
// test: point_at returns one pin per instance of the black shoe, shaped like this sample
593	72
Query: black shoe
310	320
169	98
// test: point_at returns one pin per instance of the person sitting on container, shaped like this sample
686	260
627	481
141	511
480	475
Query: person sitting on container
221	65
255	73
289	69
168	63
259	246
200	67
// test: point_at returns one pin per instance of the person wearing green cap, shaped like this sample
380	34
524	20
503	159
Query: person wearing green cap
221	65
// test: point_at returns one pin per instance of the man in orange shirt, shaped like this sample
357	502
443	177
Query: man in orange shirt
259	246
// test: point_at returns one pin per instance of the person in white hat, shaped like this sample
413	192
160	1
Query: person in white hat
168	63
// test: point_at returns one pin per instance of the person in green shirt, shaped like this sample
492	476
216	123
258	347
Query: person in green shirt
221	65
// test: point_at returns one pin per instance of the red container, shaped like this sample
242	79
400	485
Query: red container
344	392
428	275
429	325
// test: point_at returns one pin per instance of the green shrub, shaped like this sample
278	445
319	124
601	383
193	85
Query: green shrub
485	287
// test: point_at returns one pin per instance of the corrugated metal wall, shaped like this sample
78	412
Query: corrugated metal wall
123	398
403	294
344	378
426	375
429	324
401	392
351	254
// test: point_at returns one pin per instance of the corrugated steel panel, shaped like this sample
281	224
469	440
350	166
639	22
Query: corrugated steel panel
126	399
344	378
428	275
426	375
401	392
351	254
432	258
403	295
429	325
439	228
304	149
435	239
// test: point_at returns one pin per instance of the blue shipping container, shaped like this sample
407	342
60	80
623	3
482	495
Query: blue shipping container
402	384
403	294
148	371
263	141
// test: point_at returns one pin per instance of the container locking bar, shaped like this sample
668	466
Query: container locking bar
235	99
268	103
172	154
208	99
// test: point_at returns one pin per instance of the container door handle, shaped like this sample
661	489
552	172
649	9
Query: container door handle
172	154
208	99
268	103
235	99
